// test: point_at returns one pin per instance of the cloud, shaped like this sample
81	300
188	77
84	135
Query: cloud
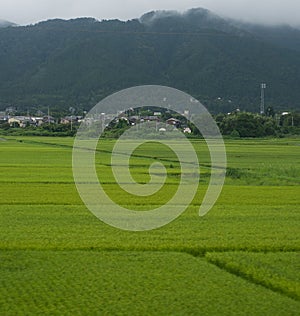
265	12
31	11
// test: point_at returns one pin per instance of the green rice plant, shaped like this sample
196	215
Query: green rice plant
127	283
57	258
277	271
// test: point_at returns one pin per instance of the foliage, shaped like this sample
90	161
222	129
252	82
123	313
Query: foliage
244	124
43	130
78	62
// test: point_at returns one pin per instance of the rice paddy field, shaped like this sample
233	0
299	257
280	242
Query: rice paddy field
242	258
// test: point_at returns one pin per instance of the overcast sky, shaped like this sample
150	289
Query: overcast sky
264	11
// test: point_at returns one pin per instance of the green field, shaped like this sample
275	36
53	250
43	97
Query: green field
242	258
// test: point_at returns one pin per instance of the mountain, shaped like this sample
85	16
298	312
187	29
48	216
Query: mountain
192	20
4	23
281	35
76	63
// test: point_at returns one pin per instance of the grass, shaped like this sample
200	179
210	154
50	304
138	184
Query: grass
56	258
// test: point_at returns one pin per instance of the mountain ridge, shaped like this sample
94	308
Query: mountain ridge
59	63
5	23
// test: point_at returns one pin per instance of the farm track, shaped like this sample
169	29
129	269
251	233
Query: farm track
208	166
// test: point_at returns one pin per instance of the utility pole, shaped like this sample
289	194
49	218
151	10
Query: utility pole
262	98
72	110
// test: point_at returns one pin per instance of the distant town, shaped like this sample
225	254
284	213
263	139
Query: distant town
235	123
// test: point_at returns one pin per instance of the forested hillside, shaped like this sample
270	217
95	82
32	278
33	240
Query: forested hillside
76	63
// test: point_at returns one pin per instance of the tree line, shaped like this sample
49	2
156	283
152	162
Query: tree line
235	125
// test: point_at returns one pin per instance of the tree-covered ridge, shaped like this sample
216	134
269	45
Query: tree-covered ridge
76	63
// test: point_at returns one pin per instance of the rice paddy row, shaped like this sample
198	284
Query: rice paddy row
56	258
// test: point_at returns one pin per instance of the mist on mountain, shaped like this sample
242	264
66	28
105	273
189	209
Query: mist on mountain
221	62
